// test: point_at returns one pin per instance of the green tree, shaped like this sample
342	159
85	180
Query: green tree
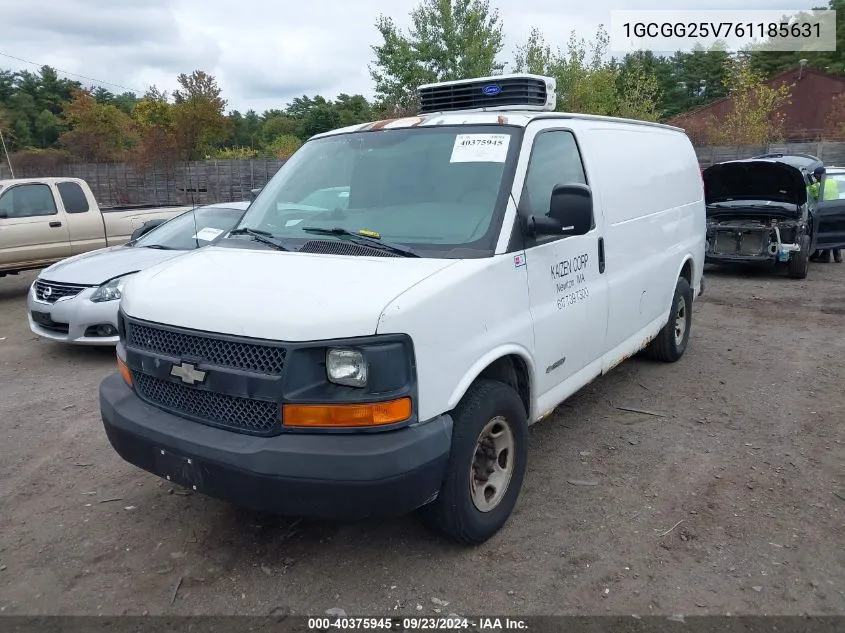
277	123
638	89
246	129
282	146
755	116
536	56
198	114
448	39
768	63
353	109
588	80
124	102
154	125
47	128
97	132
652	69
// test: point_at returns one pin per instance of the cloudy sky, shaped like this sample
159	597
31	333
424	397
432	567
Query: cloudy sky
263	52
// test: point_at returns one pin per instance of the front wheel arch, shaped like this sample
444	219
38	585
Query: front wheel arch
495	366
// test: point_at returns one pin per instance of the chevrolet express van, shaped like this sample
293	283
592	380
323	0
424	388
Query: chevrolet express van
476	265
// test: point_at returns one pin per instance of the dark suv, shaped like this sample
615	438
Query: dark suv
759	211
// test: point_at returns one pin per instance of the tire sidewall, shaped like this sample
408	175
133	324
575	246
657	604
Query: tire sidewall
499	400
682	290
802	263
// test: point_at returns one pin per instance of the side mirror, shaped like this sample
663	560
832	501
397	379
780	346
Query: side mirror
145	228
253	193
570	212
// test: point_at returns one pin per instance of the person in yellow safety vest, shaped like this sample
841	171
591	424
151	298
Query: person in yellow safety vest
830	192
831	188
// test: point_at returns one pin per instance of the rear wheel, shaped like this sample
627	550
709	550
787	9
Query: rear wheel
799	261
486	466
671	342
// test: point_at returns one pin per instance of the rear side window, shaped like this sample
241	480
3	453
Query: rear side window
27	201
555	160
73	197
834	187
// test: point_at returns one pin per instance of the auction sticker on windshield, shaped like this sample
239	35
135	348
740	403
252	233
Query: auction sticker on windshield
480	148
207	234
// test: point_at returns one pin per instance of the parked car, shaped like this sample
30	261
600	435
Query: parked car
45	220
492	257
76	300
759	211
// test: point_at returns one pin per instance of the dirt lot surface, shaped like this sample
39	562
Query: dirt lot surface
734	502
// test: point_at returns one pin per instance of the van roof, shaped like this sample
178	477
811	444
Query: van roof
485	116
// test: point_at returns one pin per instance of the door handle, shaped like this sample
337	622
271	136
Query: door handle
601	255
55	225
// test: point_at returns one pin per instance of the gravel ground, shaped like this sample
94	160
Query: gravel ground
731	501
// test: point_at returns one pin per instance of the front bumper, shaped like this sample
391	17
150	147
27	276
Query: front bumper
71	318
751	243
319	475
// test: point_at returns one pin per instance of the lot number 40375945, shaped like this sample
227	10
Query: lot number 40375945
482	141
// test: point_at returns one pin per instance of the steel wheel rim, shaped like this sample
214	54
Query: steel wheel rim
492	465
680	320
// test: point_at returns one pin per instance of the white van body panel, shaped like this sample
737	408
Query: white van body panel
461	320
273	295
652	201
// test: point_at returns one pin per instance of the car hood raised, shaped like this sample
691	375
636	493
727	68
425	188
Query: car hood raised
754	180
274	295
96	267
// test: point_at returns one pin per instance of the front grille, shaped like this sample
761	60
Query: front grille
751	243
254	357
258	417
51	291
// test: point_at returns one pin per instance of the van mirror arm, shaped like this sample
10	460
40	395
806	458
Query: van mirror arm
544	225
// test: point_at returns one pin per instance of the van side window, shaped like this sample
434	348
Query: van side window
554	161
26	201
73	197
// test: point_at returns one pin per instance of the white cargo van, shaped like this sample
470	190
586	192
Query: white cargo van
387	349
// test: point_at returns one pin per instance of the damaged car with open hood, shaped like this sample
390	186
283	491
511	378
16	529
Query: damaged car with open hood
759	211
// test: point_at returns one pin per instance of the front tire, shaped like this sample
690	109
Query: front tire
487	464
671	342
799	261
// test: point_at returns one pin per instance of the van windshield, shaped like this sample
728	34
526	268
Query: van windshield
441	191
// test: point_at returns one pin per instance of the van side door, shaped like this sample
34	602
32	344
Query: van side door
85	222
566	282
33	230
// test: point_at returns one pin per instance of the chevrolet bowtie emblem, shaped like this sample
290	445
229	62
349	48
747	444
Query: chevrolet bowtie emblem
188	373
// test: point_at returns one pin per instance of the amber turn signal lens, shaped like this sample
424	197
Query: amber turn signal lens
124	371
346	415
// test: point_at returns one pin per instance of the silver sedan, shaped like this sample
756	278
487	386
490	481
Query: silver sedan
76	299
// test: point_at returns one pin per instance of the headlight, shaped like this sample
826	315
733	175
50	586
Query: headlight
346	367
109	291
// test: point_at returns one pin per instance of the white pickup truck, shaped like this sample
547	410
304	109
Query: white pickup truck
44	220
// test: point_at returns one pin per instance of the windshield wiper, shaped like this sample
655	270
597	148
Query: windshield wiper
265	237
160	247
375	242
